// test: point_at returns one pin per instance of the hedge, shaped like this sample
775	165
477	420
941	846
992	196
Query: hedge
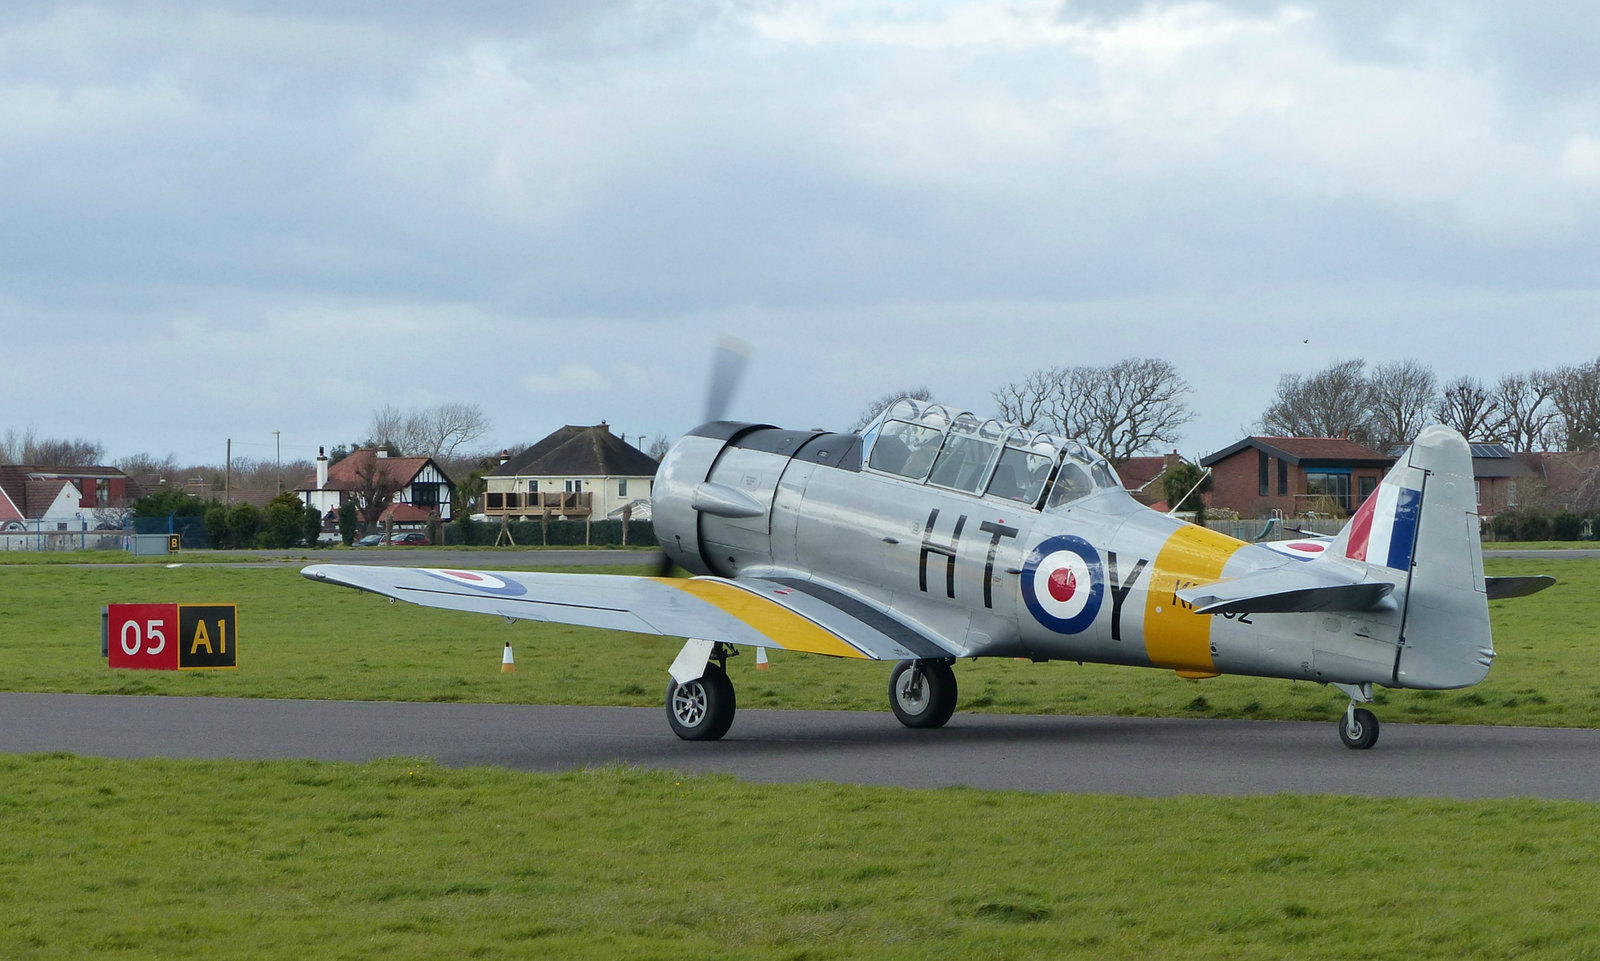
554	534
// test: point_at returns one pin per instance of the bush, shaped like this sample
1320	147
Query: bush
1566	527
216	521
281	522
244	520
1521	524
1536	527
348	522
310	526
555	534
169	502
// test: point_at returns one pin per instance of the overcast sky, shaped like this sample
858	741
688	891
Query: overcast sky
222	219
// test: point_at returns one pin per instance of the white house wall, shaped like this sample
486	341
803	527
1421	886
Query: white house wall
65	510
605	497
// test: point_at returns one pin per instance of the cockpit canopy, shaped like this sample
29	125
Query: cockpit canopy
932	444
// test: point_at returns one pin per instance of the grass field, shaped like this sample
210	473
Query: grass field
403	859
303	640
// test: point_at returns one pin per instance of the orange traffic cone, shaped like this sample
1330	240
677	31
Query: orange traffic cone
761	658
507	665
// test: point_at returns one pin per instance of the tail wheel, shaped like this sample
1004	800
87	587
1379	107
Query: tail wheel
701	710
1358	728
923	693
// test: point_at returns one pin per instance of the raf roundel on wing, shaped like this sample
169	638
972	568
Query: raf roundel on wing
1063	584
478	581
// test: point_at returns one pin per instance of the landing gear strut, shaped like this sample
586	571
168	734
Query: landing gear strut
702	709
1358	727
922	693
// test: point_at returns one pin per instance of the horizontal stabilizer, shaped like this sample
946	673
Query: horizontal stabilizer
1346	597
1298	589
1500	588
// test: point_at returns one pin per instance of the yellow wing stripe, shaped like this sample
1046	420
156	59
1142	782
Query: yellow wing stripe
788	630
1174	635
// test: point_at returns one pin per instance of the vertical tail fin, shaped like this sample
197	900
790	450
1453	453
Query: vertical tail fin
1422	524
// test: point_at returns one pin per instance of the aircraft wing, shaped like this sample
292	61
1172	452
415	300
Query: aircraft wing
787	614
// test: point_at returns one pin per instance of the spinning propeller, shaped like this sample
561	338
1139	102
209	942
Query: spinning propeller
728	361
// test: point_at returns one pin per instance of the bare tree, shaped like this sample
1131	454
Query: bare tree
438	432
1119	410
1468	407
1524	416
376	485
1402	394
388	426
28	447
1334	402
1133	405
14	445
1036	400
659	445
1575	395
871	412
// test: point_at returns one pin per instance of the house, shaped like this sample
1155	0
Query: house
1503	479
575	472
1551	481
421	486
1142	477
63	497
1293	475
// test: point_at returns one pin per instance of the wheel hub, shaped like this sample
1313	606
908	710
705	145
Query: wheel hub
911	692
689	703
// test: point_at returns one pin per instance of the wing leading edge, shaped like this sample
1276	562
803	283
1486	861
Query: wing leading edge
750	611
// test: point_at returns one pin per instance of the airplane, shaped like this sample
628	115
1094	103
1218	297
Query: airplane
934	536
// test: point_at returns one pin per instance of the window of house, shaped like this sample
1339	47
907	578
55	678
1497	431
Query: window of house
1283	477
102	493
622	487
1334	485
1368	485
1262	460
533	486
573	486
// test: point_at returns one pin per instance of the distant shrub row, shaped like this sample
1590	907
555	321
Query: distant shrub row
554	533
1524	524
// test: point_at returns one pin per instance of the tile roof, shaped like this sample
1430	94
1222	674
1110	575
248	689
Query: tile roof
405	514
345	475
1314	451
30	489
580	452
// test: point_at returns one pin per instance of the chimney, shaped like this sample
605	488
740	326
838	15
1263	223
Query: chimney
605	426
1169	461
505	455
322	469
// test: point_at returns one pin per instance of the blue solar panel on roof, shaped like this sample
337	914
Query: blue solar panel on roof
1490	450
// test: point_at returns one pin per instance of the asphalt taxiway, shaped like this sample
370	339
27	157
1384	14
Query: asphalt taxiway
1098	755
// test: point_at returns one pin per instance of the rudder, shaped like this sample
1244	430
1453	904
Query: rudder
1422	524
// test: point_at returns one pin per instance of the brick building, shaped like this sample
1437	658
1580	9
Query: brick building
1293	475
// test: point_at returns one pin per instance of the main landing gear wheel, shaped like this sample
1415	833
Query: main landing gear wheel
1358	728
923	693
701	710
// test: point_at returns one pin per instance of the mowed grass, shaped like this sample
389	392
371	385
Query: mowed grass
404	859
304	640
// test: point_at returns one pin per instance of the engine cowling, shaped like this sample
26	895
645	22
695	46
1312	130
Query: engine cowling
713	495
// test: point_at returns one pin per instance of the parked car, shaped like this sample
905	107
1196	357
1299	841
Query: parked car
371	540
409	538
